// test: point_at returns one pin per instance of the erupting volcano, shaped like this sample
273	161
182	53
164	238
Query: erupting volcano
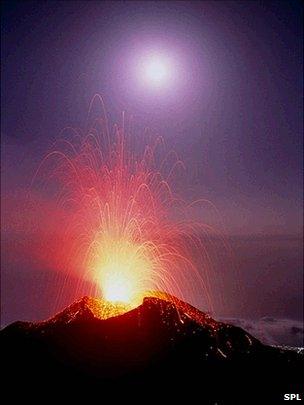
124	228
153	254
164	347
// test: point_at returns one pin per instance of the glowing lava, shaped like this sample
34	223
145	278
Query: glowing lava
117	286
123	270
117	227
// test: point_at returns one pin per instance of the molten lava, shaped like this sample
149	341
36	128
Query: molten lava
123	270
117	285
118	228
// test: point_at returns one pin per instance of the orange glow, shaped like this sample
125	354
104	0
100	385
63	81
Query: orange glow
122	269
117	286
124	228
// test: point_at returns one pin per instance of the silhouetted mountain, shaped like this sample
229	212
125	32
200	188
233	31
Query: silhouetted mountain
164	347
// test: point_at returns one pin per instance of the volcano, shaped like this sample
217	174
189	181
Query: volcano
163	347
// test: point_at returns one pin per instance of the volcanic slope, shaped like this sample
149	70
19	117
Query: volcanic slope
163	347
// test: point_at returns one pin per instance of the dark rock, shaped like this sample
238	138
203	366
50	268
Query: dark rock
161	348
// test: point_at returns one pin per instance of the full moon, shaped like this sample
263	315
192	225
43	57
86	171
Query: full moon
156	70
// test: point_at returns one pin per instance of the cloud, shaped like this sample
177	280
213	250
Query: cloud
273	331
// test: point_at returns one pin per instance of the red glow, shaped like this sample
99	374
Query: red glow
119	229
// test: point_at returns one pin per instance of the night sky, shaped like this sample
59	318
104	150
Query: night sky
233	113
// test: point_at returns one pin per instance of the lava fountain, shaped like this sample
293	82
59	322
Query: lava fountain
121	228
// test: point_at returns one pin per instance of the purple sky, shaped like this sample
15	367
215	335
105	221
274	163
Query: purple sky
234	114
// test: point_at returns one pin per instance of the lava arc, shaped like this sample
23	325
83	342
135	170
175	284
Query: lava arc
119	228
